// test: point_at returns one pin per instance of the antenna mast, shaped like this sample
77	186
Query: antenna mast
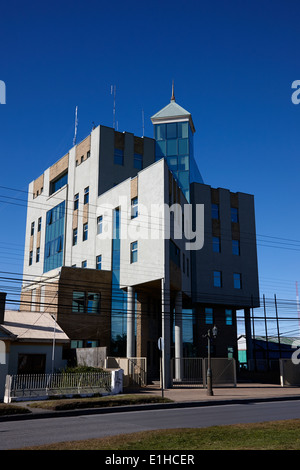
143	122
76	124
113	92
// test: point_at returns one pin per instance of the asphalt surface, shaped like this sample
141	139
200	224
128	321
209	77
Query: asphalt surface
181	397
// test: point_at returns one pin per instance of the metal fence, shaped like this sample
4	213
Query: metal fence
29	386
191	372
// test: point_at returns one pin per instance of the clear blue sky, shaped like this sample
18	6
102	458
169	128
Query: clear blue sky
233	64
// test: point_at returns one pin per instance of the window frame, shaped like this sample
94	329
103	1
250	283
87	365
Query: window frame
85	231
217	275
134	252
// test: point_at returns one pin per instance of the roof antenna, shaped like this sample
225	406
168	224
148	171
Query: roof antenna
173	96
113	92
76	125
143	122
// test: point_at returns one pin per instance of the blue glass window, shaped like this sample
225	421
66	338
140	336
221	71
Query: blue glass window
228	317
74	236
235	247
182	130
76	200
138	161
217	279
134	207
30	258
216	245
99	224
183	146
161	148
85	232
86	195
99	262
209	316
237	281
172	130
133	252
234	214
172	147
215	211
55	185
54	238
183	164
160	132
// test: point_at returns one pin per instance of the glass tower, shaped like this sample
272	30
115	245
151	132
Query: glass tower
174	136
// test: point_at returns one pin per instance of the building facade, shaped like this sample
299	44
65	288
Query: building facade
127	244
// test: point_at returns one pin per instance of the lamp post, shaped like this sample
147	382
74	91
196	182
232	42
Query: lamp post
209	335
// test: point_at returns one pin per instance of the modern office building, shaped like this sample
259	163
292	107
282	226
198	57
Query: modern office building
126	244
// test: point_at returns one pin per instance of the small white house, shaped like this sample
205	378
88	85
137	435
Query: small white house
30	342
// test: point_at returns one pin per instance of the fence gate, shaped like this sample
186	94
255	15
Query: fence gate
191	372
187	371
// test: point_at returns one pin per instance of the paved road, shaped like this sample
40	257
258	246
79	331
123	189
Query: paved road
30	432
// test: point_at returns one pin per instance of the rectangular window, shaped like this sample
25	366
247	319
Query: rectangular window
86	195
119	157
32	229
236	247
217	279
133	252
84	264
39	224
78	304
216	245
85	232
74	236
88	154
99	262
183	262
234	215
76	201
93	303
99	224
209	316
237	280
30	258
86	302
228	317
58	183
138	161
134	207
37	257
215	211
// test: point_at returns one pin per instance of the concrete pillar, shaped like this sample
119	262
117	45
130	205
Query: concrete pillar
249	343
165	314
178	336
130	322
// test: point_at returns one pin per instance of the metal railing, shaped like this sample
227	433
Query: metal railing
45	385
191	371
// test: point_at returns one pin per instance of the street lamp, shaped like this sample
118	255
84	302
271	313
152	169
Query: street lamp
210	334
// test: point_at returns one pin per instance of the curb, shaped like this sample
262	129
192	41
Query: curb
143	407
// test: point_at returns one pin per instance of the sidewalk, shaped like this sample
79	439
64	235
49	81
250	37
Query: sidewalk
243	391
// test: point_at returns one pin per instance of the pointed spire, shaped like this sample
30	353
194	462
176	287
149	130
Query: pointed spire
173	96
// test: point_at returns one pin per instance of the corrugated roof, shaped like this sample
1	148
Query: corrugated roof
32	326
